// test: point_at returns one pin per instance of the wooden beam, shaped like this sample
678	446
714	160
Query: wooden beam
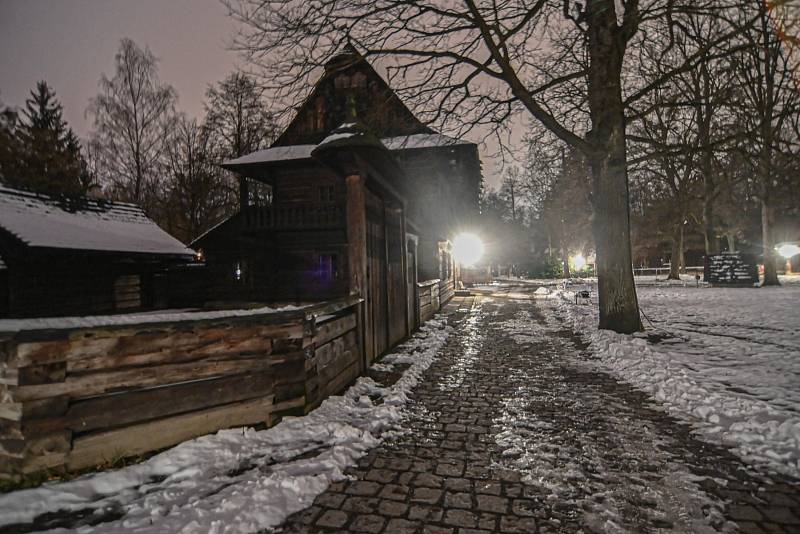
138	439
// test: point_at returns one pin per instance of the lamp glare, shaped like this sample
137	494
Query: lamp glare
467	249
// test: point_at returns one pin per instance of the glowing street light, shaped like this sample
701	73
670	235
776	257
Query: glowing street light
579	262
467	249
788	250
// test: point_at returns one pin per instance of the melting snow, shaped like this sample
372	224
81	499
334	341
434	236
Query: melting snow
242	480
724	359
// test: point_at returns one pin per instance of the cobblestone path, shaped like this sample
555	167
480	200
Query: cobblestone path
512	430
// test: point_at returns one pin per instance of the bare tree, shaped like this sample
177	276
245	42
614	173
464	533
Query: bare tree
482	64
510	191
237	114
131	115
238	118
668	172
199	194
770	102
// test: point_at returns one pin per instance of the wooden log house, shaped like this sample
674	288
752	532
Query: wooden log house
357	197
81	256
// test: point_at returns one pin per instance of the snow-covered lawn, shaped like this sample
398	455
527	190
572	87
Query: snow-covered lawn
240	480
726	360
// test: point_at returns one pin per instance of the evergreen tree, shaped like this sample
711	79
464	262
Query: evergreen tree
9	144
40	152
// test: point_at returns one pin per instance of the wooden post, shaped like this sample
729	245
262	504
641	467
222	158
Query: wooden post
357	259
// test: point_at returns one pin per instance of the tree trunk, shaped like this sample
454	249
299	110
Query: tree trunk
731	239
765	154
565	262
681	259
674	260
619	307
770	261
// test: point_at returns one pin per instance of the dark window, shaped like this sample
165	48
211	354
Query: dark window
328	266
327	193
258	194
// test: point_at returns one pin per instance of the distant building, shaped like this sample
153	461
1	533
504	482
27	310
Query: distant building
356	197
81	256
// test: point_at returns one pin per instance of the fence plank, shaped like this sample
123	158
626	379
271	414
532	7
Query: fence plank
139	439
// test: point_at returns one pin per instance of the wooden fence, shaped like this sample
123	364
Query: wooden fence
77	397
429	301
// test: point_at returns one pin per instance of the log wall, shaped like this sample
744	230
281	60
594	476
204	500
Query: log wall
79	397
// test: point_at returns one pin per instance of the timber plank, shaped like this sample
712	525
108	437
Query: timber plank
213	350
340	381
334	329
92	344
138	439
85	385
122	409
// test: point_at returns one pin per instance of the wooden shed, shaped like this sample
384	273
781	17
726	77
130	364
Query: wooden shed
81	256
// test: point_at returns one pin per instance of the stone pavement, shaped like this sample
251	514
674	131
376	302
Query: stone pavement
512	430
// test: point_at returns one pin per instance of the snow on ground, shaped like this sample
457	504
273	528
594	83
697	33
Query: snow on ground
241	480
725	359
600	469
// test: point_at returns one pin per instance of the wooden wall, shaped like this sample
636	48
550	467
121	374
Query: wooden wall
292	250
75	398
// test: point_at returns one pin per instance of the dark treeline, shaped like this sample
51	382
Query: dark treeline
142	148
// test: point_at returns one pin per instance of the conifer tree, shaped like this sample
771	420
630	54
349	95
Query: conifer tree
40	152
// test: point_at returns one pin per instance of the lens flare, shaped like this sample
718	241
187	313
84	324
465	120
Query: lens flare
579	262
789	250
467	249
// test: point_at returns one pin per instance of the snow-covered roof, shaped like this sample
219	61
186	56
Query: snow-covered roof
42	221
422	140
278	153
300	152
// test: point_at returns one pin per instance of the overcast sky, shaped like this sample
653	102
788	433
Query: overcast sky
70	43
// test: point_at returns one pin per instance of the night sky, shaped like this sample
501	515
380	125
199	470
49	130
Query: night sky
70	43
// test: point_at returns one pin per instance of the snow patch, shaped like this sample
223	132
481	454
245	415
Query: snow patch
723	359
242	480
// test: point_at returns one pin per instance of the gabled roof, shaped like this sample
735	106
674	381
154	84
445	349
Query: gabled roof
39	220
349	87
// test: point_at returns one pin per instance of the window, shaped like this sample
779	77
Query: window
327	193
328	267
258	194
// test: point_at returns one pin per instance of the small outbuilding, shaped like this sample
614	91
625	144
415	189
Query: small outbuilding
81	256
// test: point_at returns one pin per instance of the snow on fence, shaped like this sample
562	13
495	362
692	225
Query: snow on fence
74	396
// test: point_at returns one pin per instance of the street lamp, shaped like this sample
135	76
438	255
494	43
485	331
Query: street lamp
467	249
787	250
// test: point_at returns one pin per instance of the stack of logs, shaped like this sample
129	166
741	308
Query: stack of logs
72	398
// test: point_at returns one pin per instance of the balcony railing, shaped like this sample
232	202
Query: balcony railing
293	218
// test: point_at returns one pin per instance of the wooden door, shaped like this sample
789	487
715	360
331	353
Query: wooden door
412	291
377	337
396	275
